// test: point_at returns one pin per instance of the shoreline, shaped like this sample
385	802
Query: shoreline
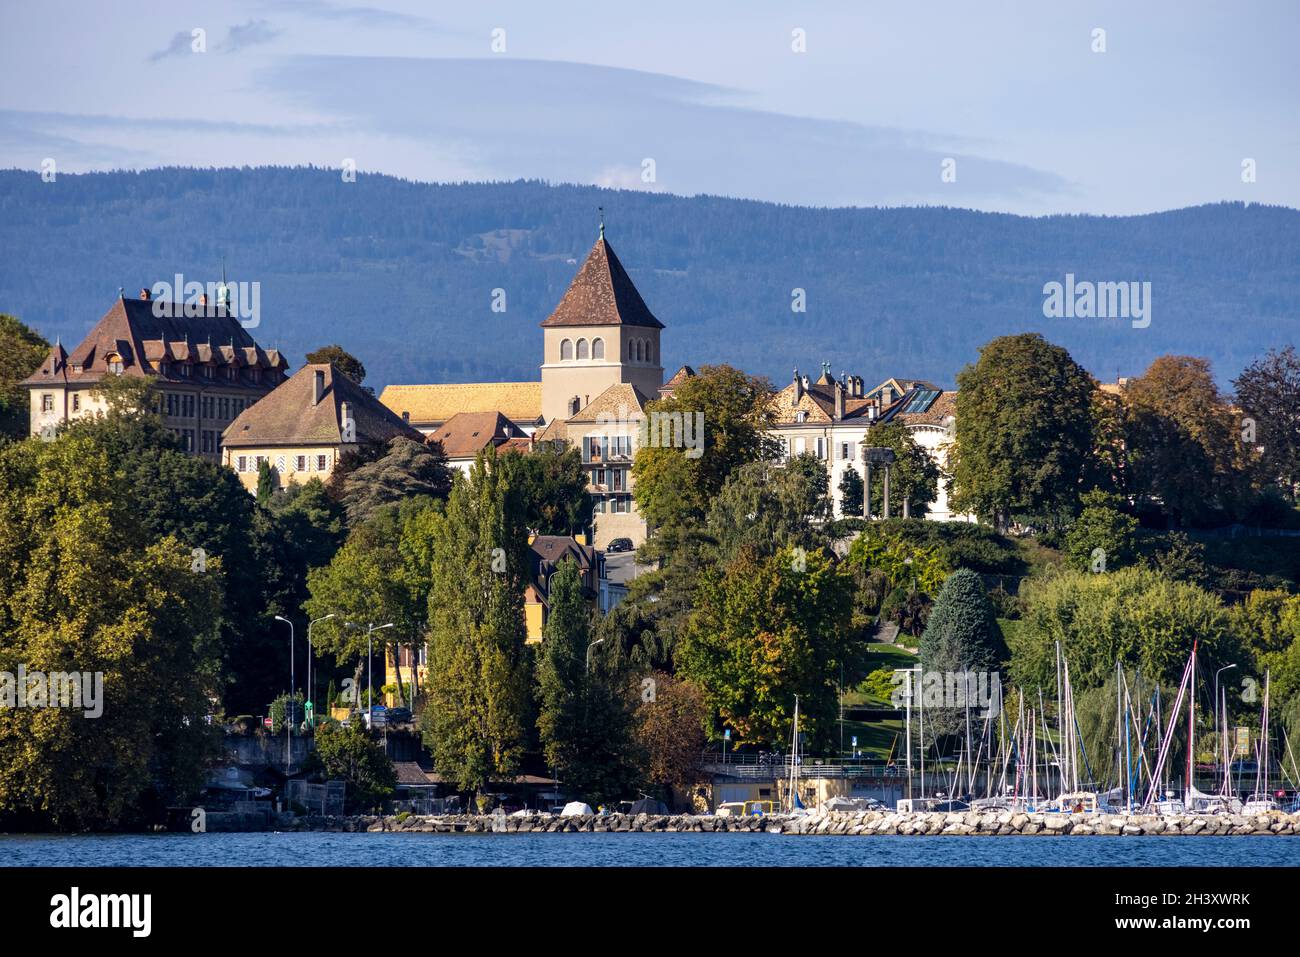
853	823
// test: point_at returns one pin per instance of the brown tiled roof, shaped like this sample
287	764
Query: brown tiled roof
818	401
552	548
680	376
622	400
191	335
602	294
520	402
289	415
465	434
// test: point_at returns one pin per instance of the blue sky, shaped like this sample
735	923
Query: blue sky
714	94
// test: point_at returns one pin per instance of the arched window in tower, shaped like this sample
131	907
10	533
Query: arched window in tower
649	351
639	353
631	345
582	348
598	348
566	350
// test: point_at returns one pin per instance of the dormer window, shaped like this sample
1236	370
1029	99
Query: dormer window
114	363
801	416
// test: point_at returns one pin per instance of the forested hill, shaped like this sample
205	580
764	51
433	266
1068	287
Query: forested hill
402	274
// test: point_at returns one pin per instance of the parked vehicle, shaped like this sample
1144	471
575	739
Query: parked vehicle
619	545
398	715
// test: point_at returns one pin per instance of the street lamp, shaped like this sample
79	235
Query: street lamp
589	647
291	672
1225	715
311	691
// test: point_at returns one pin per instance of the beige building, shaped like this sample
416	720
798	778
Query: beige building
601	334
304	426
204	365
832	419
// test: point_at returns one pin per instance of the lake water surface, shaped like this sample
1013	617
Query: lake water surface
307	849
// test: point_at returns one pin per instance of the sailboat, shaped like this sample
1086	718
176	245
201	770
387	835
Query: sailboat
1261	802
794	804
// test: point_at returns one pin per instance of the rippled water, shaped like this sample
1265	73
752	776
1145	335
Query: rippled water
645	850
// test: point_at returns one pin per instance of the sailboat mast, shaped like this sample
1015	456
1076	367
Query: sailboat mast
1191	728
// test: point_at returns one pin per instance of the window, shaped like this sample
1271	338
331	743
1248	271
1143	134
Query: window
598	506
300	463
322	463
616	479
821	447
566	350
598	477
241	464
187	437
114	363
76	402
649	351
47	401
582	349
800	446
847	450
598	348
801	416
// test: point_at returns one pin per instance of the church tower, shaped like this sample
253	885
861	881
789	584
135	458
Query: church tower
602	333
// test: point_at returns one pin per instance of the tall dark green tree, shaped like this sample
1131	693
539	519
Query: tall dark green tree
1268	393
962	635
583	721
552	485
851	489
1024	431
479	680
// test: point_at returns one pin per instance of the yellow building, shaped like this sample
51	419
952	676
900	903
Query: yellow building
303	427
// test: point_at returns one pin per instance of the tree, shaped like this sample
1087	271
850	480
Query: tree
583	722
913	478
851	492
962	633
349	755
21	351
672	487
478	686
670	730
1132	615
342	360
267	482
765	630
767	507
1102	532
552	485
1024	431
90	591
406	470
1182	441
1268	392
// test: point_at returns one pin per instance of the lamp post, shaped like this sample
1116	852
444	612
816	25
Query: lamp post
311	691
591	646
291	672
1224	749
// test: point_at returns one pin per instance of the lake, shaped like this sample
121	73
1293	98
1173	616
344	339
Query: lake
325	849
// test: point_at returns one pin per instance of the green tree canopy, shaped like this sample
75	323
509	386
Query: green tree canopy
914	476
21	351
341	359
349	755
406	470
1268	392
552	485
1101	525
1024	431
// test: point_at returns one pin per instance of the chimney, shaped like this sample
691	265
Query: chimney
839	401
798	386
871	412
319	388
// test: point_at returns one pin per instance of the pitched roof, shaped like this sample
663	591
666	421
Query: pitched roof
678	377
154	337
923	407
465	434
553	548
520	402
620	401
602	294
290	415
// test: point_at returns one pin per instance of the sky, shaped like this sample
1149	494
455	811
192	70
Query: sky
1022	107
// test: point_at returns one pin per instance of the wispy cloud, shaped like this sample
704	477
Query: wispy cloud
241	36
252	33
360	16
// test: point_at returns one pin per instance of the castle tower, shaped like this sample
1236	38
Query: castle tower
601	334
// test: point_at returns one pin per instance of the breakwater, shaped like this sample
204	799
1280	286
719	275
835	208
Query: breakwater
848	823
